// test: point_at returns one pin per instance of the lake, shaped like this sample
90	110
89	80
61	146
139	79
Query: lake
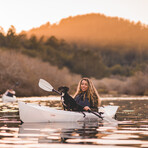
130	129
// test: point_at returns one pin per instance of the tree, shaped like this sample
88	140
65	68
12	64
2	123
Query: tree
52	41
12	40
2	37
33	43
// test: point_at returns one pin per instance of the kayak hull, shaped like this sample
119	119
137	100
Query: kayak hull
7	99
30	112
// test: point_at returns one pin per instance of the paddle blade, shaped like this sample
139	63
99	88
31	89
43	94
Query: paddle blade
45	85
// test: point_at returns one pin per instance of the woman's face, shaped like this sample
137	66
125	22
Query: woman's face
84	85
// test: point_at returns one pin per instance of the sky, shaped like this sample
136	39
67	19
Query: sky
27	14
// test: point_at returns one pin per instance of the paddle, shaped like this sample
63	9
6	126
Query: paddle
95	114
47	87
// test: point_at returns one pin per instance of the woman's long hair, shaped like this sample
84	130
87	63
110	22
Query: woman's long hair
92	93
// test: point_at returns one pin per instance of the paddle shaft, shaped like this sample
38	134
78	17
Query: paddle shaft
95	114
56	91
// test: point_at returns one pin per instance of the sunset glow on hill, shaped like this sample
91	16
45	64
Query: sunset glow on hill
27	14
94	29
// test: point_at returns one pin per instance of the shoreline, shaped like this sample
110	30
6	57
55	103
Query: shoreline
104	98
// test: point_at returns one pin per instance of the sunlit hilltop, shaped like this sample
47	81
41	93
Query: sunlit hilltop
95	29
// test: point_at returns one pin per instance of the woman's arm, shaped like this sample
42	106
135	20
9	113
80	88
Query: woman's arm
86	108
99	101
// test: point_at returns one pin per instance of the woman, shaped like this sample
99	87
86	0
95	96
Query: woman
87	95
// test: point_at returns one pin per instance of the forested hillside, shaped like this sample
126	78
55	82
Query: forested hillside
87	61
96	29
117	59
113	45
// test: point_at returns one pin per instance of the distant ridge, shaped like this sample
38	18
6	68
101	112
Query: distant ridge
95	29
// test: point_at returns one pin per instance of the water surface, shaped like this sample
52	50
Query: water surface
129	130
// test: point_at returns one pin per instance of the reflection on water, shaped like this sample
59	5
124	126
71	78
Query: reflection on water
130	130
58	132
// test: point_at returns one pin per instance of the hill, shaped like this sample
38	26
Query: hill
95	29
88	61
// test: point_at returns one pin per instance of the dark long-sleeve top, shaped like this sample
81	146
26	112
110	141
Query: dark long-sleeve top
85	102
81	101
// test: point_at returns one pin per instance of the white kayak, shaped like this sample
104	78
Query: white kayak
30	112
7	99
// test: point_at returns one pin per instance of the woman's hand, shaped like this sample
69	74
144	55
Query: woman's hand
86	108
